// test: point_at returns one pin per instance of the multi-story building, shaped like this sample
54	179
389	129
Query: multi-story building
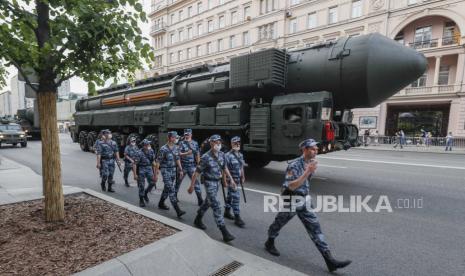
188	33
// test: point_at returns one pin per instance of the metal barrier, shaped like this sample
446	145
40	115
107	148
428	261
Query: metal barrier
410	141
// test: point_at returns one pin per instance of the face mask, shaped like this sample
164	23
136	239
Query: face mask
176	141
217	147
237	148
149	147
110	136
133	143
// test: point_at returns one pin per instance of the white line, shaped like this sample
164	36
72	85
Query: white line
259	191
331	166
394	163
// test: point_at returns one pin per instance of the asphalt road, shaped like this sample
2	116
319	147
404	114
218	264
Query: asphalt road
425	239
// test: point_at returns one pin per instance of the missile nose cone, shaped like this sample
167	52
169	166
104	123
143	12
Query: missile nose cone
391	67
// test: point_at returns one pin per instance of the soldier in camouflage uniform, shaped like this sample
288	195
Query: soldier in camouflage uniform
107	153
168	162
213	167
297	183
100	139
190	156
143	168
130	153
235	163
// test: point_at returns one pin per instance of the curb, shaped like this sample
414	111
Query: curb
408	150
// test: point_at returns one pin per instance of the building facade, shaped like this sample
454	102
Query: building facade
187	33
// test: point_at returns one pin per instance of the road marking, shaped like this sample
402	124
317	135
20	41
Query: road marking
394	163
331	166
260	191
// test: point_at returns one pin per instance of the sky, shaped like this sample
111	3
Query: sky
77	84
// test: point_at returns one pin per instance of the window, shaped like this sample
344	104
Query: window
267	31
220	45
450	34
210	26
157	62
173	20
199	50
400	38
189	12
332	15
312	111
246	12
267	6
209	48
189	33
189	53
180	55
181	15
412	2
293	114
199	29
311	23
210	4
172	39
293	25
180	36
423	37
172	58
221	2
420	82
443	75
199	7
221	21
234	18
232	41
356	8
245	39
294	2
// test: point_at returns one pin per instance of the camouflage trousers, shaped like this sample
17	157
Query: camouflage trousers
145	172
233	199
169	190
107	170
189	171
211	201
127	170
308	219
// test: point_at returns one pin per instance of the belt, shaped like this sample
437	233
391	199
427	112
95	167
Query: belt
107	157
167	167
212	179
291	193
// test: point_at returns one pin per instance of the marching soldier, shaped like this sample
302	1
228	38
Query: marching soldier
190	156
170	166
107	153
297	183
143	168
213	167
130	153
100	139
235	163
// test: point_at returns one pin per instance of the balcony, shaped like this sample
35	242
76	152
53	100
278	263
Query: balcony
158	28
435	43
428	90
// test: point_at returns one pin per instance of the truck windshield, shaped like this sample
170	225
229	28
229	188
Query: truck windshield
10	127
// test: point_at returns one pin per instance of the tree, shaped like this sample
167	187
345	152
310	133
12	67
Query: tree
58	39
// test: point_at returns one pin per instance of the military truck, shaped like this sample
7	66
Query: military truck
272	98
12	133
29	123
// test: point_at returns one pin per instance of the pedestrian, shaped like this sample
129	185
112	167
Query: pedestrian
235	164
297	183
366	137
376	138
130	152
168	162
398	139
107	153
189	152
213	167
402	138
449	141
143	169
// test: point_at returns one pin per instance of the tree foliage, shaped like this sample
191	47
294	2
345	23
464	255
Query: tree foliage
93	39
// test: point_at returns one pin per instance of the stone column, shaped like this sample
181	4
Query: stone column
436	71
459	77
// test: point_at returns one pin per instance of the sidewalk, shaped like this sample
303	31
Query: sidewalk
189	252
411	148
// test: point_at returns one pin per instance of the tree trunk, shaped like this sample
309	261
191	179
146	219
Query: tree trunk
51	161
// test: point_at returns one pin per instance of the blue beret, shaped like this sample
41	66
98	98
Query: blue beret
308	143
172	134
132	139
146	142
235	139
106	131
187	131
214	138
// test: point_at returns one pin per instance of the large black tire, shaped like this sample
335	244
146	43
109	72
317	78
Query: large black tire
24	144
154	141
83	140
91	138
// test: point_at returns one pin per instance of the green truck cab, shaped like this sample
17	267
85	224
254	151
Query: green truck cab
11	133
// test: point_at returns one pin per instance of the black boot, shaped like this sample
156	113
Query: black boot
227	237
162	204
269	246
110	183
141	201
332	263
102	184
227	213
238	221
126	182
199	198
198	222
179	212
146	197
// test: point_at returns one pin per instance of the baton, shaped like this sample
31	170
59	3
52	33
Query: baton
224	193
243	190
119	167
